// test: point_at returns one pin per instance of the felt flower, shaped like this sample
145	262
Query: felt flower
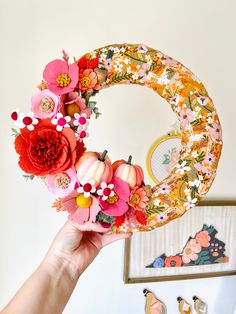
87	187
203	238
45	150
28	121
80	121
81	134
61	122
81	209
215	131
173	261
190	203
138	198
116	205
190	251
181	168
106	191
62	183
61	77
72	103
17	116
209	159
186	117
88	81
87	63
44	104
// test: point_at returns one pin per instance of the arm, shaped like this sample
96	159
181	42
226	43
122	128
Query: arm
51	285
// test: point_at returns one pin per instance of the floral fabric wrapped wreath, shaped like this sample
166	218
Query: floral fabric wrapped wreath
88	185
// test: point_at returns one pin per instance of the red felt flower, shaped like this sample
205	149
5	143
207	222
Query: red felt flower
45	150
140	216
84	63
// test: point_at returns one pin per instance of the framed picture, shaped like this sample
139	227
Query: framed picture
200	244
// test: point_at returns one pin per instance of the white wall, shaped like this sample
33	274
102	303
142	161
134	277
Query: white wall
201	34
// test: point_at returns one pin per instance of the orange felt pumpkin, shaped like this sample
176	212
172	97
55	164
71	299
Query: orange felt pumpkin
94	166
132	174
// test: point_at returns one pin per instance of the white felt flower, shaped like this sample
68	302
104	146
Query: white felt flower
61	122
27	121
106	190
87	187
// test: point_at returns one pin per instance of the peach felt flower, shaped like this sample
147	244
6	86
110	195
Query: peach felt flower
61	77
44	104
203	238
88	81
138	198
190	251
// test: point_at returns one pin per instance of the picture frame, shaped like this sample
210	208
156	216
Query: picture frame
142	248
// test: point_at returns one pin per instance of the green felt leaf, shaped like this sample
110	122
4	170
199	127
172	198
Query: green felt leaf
29	176
104	218
15	133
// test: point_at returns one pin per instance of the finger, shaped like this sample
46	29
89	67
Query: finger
110	238
90	226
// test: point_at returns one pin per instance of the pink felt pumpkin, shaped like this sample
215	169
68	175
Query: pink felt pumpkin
132	174
94	166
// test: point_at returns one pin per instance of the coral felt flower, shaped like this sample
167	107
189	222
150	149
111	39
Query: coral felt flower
81	209
116	205
173	261
61	184
88	81
138	198
190	251
203	238
45	151
72	103
44	104
61	77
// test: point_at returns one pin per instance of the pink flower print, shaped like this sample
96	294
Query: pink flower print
108	63
143	72
190	251
209	159
186	117
202	100
164	189
215	131
162	217
203	238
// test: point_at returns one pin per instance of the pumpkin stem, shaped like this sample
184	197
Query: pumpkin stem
102	156
129	160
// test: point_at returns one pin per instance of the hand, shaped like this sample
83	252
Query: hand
76	246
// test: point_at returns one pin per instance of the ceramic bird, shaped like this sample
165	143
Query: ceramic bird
199	306
184	307
153	305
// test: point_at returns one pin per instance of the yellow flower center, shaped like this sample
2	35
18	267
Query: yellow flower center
85	81
135	198
112	199
47	104
63	80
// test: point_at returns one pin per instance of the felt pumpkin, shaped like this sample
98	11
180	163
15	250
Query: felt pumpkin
94	166
132	174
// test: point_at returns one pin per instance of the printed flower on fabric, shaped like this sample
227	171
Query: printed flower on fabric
72	103
45	151
106	191
164	188
209	159
61	122
203	238
61	184
116	205
81	208
162	217
44	104
182	167
87	187
173	261
190	203
61	77
186	117
138	198
88	81
27	121
215	131
190	251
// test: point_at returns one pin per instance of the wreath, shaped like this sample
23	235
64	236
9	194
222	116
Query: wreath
86	184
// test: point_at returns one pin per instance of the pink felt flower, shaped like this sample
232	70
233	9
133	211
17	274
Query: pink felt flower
203	238
61	77
186	117
88	81
190	251
215	131
72	103
77	213
44	104
61	184
138	198
116	205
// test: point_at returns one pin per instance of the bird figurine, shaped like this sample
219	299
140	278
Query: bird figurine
153	305
199	306
184	307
